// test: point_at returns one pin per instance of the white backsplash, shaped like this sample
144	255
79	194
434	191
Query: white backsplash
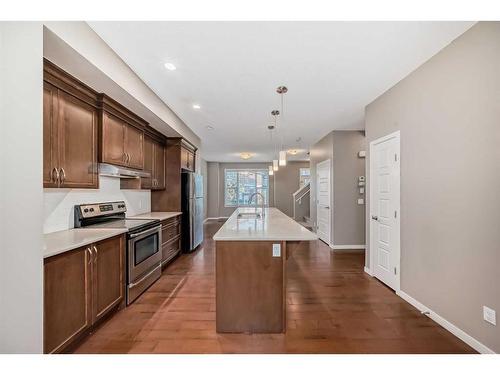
59	203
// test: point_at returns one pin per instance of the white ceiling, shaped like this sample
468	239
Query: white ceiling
231	69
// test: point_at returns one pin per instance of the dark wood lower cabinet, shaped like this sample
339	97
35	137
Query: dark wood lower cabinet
80	288
170	238
67	299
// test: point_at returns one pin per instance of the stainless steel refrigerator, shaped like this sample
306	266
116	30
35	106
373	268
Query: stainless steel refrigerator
192	210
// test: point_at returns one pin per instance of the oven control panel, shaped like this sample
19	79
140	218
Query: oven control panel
101	209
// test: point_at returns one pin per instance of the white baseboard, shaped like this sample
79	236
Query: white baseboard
471	341
349	247
368	271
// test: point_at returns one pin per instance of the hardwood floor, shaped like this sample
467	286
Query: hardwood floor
333	307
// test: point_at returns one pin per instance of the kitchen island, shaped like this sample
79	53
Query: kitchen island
251	252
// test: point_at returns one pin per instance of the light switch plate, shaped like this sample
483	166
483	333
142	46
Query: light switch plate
362	154
361	190
276	250
489	315
361	201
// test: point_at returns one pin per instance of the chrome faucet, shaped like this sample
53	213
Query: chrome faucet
263	202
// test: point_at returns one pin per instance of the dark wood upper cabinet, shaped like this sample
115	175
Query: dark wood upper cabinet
69	131
121	135
147	182
179	155
81	286
154	160
159	165
187	156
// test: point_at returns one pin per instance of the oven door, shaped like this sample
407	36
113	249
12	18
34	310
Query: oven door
144	252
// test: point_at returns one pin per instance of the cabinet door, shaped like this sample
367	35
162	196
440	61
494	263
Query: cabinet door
159	166
147	182
67	298
184	158
190	161
50	149
113	139
107	275
77	126
134	147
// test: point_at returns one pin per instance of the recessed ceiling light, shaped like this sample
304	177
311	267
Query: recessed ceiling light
170	66
196	106
245	155
293	152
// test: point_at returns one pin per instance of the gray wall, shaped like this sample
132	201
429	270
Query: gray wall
348	218
348	215
448	112
286	181
21	194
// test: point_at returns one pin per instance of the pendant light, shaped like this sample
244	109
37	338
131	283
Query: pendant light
275	165
275	113
271	172
282	159
282	90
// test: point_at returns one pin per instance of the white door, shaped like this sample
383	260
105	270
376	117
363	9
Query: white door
323	190
384	209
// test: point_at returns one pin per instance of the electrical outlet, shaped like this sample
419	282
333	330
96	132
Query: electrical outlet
489	315
276	250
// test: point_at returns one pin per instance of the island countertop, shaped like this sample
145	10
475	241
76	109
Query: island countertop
274	226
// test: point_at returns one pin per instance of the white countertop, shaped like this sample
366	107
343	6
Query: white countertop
156	215
65	240
274	226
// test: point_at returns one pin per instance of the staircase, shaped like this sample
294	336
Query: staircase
301	206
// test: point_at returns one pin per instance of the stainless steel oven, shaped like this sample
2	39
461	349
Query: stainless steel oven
144	260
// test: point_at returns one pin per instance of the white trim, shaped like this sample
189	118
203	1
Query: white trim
469	340
349	247
370	224
368	271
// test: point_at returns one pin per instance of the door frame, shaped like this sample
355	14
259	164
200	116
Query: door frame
321	163
397	241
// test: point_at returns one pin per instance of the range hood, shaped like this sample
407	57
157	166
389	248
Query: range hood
120	172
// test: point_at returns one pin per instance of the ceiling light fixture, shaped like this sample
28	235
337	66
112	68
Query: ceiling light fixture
271	172
196	106
293	152
245	155
282	158
170	66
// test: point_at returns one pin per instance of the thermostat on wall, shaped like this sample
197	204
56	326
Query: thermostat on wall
362	154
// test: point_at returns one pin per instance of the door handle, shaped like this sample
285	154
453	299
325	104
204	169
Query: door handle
375	217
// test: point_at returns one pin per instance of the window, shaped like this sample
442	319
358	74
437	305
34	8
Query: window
304	177
240	184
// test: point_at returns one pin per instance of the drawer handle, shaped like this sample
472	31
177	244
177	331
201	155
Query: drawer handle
131	285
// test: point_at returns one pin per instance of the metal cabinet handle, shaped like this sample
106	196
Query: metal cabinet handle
95	257
375	217
56	172
128	158
90	255
124	157
63	175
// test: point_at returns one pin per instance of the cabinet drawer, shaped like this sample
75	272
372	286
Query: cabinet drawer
170	249
170	229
